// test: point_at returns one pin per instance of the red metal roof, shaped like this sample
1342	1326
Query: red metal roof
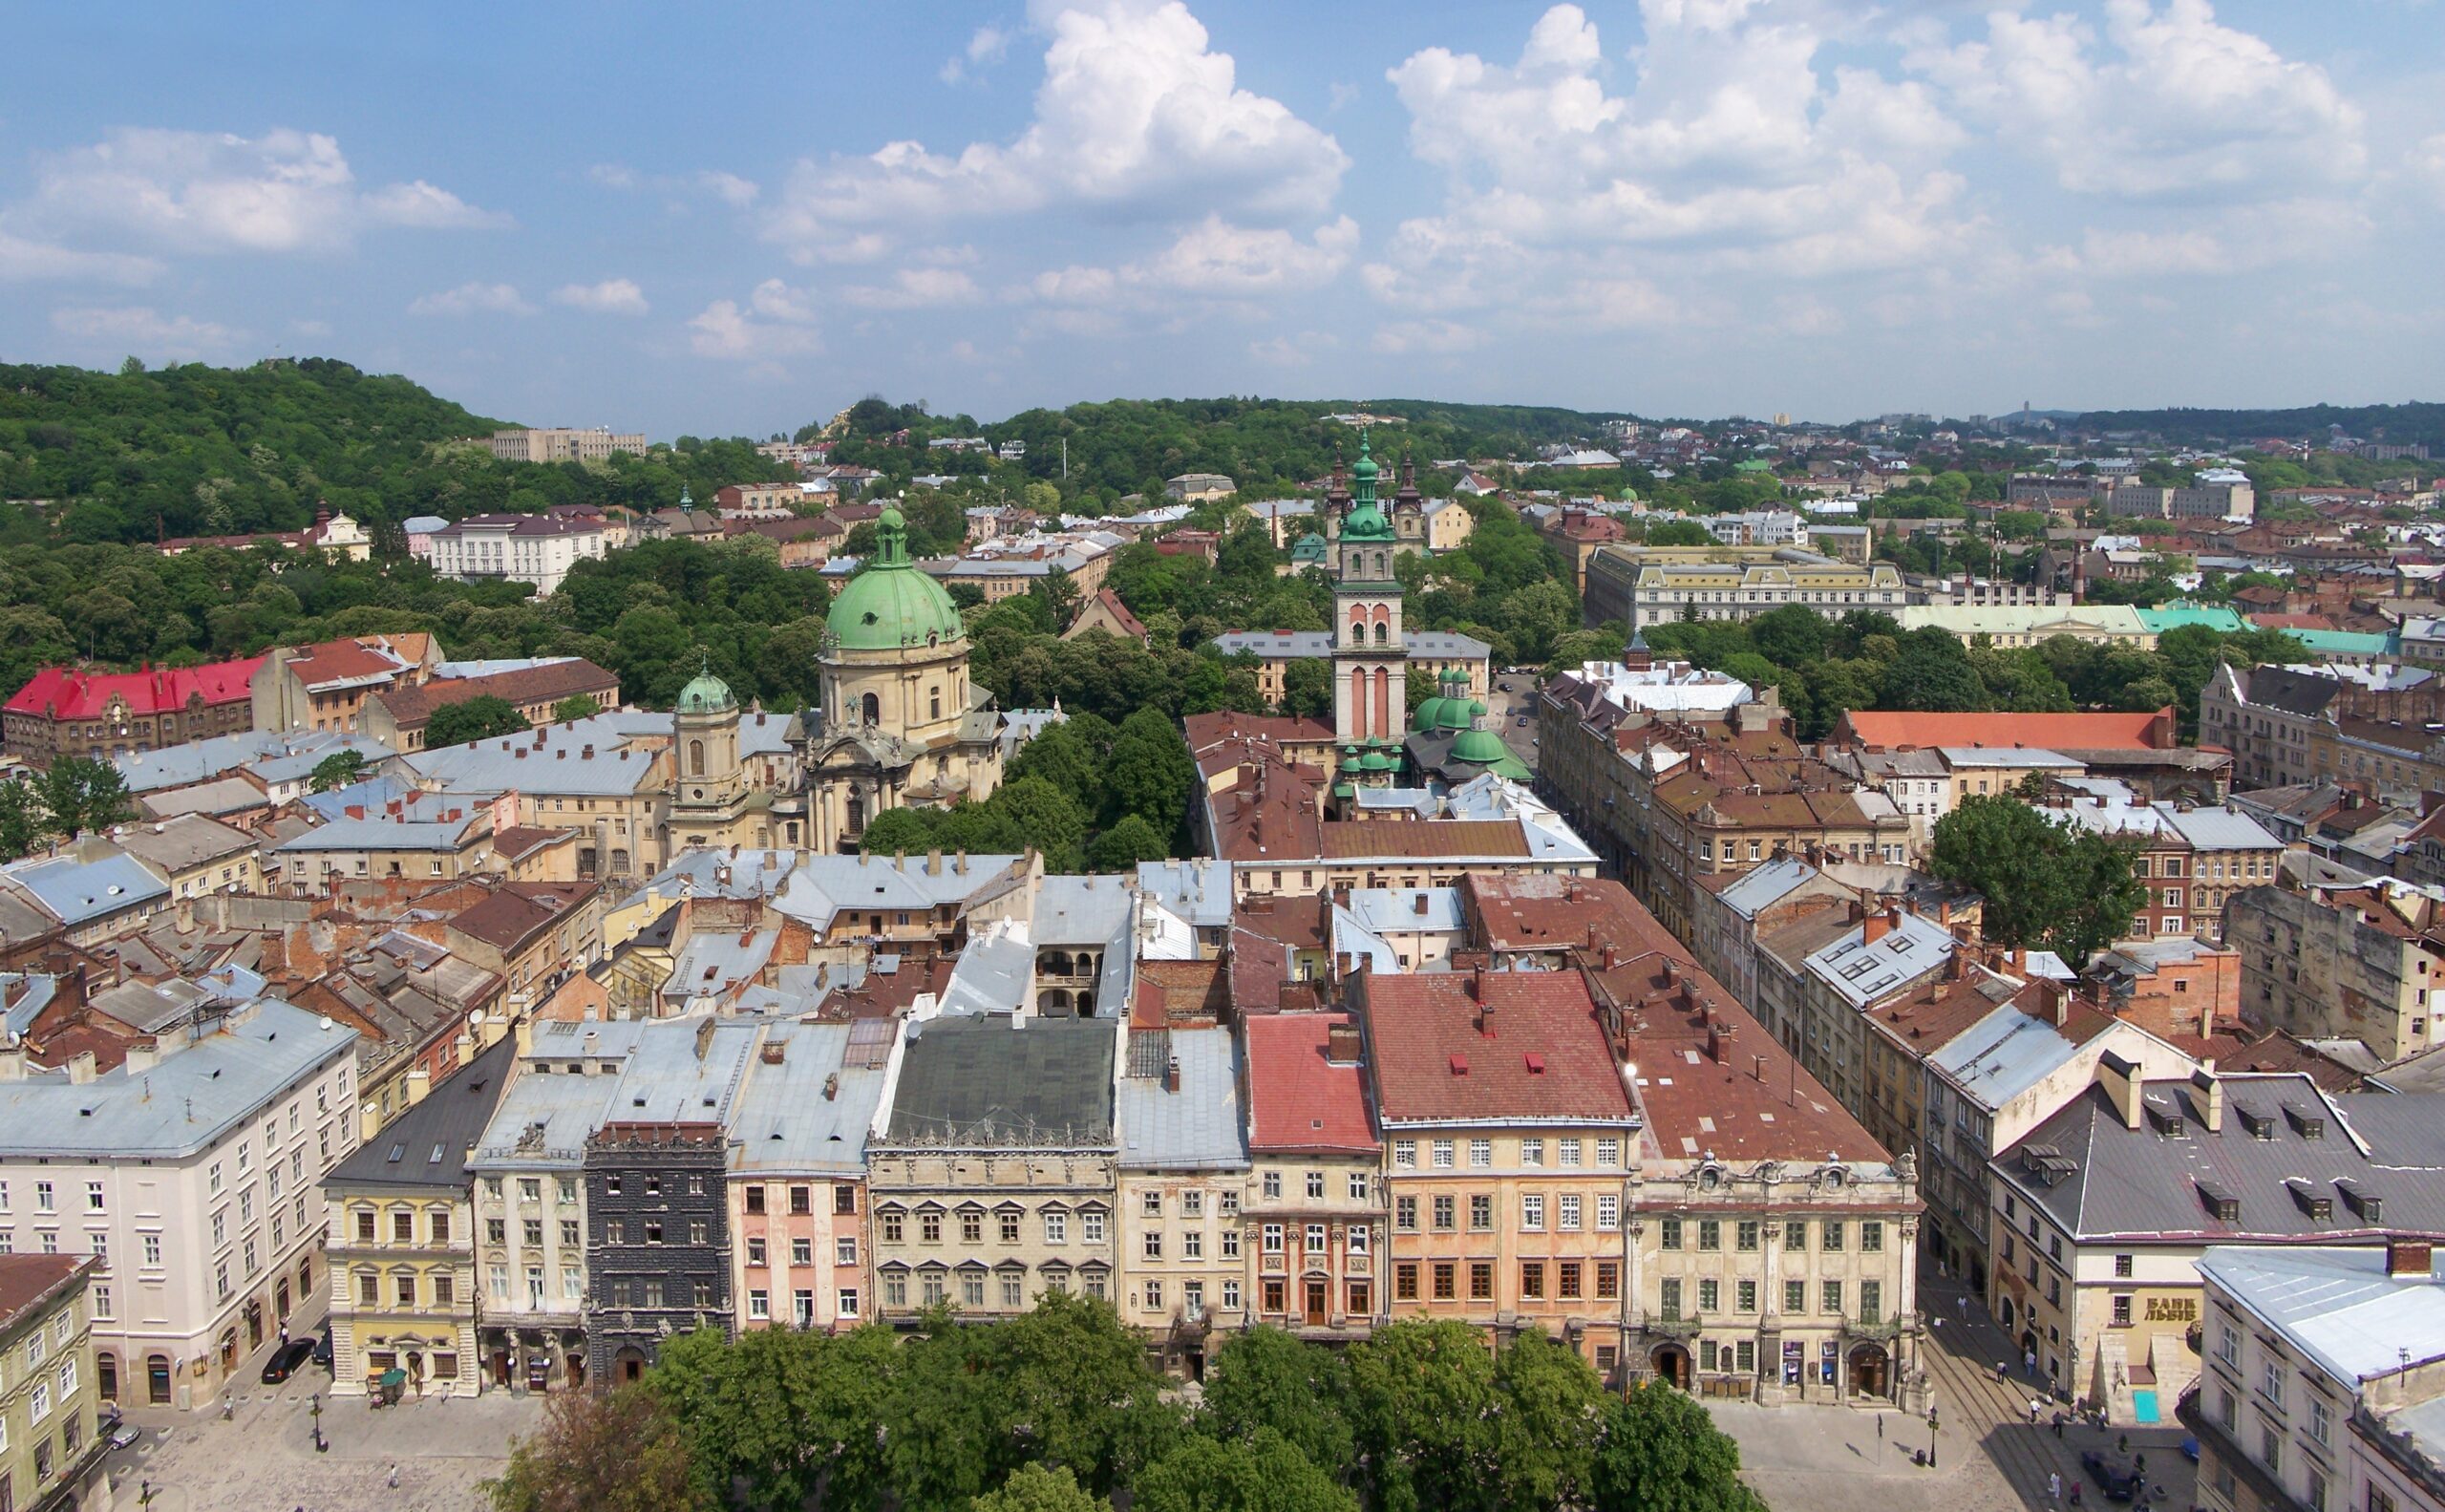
67	692
1440	1052
1298	1099
2101	732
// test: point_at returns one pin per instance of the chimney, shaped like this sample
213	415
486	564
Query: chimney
1172	1074
1477	983
1874	926
1341	1045
81	1068
2120	1079
1611	958
832	1087
2407	1257
775	1052
1419	905
704	1037
2207	1090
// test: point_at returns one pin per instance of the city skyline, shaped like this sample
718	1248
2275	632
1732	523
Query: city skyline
1684	207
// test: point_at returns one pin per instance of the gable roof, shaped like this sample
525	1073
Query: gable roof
69	693
1298	1099
2090	731
1480	1046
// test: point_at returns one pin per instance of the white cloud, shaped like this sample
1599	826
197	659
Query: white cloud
916	289
22	260
133	327
187	191
729	188
778	321
2426	163
1428	337
1215	257
985	48
613	296
473	299
1293	349
2169	105
1136	116
311	327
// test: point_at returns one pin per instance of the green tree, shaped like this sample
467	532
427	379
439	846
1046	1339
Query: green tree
22	821
898	831
1423	1410
1932	671
338	770
1660	1453
1121	847
1034	1488
1307	687
84	797
2047	883
1267	1379
780	1416
576	706
1678	533
478	718
1149	772
1262	1472
1548	1426
615	1453
1060	595
1791	636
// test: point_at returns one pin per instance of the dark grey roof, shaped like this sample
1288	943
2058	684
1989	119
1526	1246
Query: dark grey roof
2292	693
977	1080
428	1146
2154	1183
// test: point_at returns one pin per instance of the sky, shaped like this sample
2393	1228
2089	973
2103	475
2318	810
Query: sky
733	218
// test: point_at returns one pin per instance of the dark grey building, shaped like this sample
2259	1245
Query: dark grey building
657	1243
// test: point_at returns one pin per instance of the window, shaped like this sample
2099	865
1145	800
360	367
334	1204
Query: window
1532	1151
1445	1272
1153	1244
1444	1208
1359	1187
2122	1267
1405	1214
152	1249
1795	1296
1091	1228
1532	1211
759	1302
1745	1236
2321	1420
1230	1243
1710	1233
1831	1235
1404	1281
1566	1280
1443	1155
1570	1153
1668	1234
1271	1239
1747	1293
93	1197
1830	1298
1404	1158
1273	1183
1871	1301
1481	1281
1609	1211
1795	1234
1316	1185
2272	1383
844	1248
1566	1212
1532	1278
971	1228
2315	1492
444	1288
1608	1152
2228	1345
2270	1447
1192	1203
1057	1229
406	1287
1709	1295
755	1252
1007	1228
1315	1244
2122	1310
929	1228
1150	1202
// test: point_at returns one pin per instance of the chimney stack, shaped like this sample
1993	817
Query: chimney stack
1172	1074
1341	1045
2408	1257
2207	1090
2120	1079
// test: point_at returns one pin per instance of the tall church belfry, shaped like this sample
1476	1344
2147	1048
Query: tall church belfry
1370	667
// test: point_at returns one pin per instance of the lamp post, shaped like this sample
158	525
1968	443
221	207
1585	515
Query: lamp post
320	1447
1931	1437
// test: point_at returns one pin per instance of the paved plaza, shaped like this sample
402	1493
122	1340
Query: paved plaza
1989	1458
262	1459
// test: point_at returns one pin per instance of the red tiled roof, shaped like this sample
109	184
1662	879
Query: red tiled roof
2101	732
27	1281
65	693
1298	1099
336	661
1119	611
1212	729
1525	912
1422	841
411	707
1437	1053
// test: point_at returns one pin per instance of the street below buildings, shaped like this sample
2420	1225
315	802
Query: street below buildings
1989	1456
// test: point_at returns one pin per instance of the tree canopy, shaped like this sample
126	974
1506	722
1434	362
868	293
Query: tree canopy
2048	883
477	719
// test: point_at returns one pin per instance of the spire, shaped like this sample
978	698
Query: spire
891	539
685	502
1365	472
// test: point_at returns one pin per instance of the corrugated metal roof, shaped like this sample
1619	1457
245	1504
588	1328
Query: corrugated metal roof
2337	1305
1198	1127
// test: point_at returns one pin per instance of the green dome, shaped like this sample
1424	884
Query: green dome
1375	761
889	603
706	695
1478	748
1366	523
1365	470
1343	790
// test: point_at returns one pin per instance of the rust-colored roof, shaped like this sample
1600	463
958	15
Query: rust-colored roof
410	706
26	1282
2095	732
1527	913
1212	729
521	910
1484	1046
1298	1099
1423	839
1172	993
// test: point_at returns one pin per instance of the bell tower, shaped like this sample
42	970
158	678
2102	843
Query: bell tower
1370	667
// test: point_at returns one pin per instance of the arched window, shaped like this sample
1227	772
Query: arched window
872	707
1381	632
696	758
938	702
1383	569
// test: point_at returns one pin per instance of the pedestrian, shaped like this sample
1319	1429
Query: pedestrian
394	1478
2034	1407
2058	1425
1880	1427
2028	1357
1962	1302
2054	1485
2122	1444
2003	1372
2075	1493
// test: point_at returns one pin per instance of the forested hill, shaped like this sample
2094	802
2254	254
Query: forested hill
194	450
2399	424
1264	445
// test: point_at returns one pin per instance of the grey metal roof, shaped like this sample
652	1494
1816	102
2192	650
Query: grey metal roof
380	834
1999	757
714	961
2003	1055
80	892
1860	972
196	762
808	1111
981	1082
1390	910
1198	890
1198	1127
2223	829
2150	1184
189	1098
2337	1305
1081	910
1760	887
993	974
178	844
680	1074
428	1146
27	994
552	760
1443	645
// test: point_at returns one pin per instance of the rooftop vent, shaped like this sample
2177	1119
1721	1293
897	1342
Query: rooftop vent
2260	1123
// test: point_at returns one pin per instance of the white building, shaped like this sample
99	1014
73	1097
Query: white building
516	548
192	1172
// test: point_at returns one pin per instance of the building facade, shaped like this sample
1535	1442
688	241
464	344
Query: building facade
657	1253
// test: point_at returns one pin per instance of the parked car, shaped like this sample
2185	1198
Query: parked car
1523	722
323	1348
286	1361
2112	1473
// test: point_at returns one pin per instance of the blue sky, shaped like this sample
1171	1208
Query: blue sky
733	218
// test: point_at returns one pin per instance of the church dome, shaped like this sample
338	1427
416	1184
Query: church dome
1479	746
891	604
706	695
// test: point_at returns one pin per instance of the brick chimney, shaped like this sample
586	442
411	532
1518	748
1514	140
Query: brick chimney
2408	1257
1341	1045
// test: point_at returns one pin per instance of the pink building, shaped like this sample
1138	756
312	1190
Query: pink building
798	1201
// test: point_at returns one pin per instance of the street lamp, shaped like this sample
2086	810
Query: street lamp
1931	1438
320	1447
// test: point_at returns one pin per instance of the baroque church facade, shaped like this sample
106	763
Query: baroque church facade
901	725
